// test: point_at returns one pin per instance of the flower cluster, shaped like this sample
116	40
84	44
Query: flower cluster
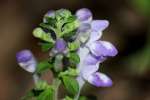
75	52
94	51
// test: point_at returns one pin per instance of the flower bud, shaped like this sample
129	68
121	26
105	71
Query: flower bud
84	15
60	45
26	60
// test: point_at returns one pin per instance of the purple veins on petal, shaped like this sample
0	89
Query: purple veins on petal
26	60
100	80
99	25
84	15
60	45
103	48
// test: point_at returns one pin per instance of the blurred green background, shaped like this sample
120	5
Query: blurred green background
129	31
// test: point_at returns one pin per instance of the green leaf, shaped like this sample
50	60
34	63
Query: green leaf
51	28
47	94
46	46
29	95
39	33
62	14
71	85
71	19
41	85
74	45
68	28
50	21
42	66
68	98
83	98
73	58
143	6
69	72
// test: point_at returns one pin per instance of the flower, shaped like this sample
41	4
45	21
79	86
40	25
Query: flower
94	51
60	45
26	60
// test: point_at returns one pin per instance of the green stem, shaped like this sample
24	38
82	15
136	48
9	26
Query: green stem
56	84
36	78
81	84
77	95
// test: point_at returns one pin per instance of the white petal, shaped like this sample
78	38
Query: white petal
88	70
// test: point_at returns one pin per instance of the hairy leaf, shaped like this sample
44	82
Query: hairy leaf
71	85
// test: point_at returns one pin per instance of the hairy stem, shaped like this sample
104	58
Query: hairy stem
77	95
56	84
35	78
81	84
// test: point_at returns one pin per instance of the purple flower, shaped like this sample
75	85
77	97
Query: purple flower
60	45
94	51
26	60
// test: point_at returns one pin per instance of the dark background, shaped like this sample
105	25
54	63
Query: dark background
129	31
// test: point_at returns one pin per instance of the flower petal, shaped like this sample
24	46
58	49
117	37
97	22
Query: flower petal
103	48
87	70
99	25
82	52
95	36
84	15
100	80
26	60
93	60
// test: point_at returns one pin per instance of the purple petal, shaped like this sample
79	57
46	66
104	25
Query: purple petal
60	45
99	25
87	70
103	48
84	15
100	80
26	60
93	60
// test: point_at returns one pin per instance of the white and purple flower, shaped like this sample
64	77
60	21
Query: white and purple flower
26	60
93	51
